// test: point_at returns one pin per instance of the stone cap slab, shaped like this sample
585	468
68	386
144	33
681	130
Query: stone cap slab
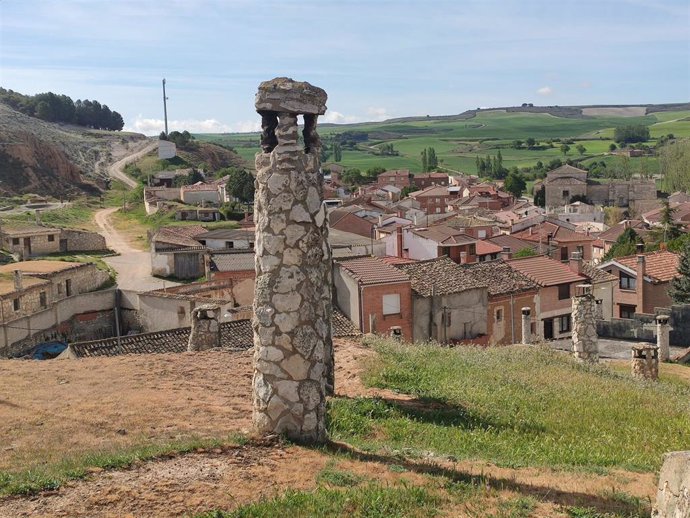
283	94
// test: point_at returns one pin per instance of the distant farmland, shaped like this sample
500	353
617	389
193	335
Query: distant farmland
459	140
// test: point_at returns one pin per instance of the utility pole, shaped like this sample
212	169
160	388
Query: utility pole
165	109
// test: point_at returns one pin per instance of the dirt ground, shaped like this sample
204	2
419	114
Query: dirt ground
56	408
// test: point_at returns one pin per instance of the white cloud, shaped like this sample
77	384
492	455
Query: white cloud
378	114
338	118
545	90
155	126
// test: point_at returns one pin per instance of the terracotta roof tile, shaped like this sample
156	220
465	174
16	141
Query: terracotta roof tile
442	276
372	270
597	275
235	335
486	247
501	279
545	271
445	235
661	266
233	262
182	236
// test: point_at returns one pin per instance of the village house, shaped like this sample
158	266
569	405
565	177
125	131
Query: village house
448	305
565	182
227	238
680	215
509	291
609	237
643	282
175	252
557	284
29	239
560	235
236	267
432	242
375	296
435	199
198	214
400	178
422	181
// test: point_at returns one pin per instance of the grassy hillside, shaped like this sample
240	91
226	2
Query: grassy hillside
458	141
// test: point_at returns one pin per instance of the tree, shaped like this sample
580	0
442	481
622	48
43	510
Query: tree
540	197
353	176
626	244
425	161
631	133
337	152
674	165
680	285
581	149
564	149
612	147
531	142
432	161
670	229
623	168
240	184
525	252
515	184
517	144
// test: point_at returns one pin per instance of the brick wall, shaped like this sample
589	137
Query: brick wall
372	305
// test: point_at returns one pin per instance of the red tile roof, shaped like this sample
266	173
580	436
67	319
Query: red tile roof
486	247
561	234
372	270
393	260
445	235
545	271
661	266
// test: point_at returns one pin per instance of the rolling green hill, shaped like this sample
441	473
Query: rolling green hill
458	140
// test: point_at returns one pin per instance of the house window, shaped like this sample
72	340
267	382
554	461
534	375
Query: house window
563	291
481	234
499	315
43	299
566	194
391	304
229	244
627	311
16	304
581	250
59	288
15	240
473	249
438	210
251	245
68	287
564	324
51	238
627	282
564	253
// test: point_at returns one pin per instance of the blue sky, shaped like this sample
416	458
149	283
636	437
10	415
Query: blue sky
376	58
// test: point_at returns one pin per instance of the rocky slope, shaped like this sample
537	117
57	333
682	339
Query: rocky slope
51	159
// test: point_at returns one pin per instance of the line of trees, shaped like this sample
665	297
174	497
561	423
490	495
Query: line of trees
429	160
52	107
491	167
631	133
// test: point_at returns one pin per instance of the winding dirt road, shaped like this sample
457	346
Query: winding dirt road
133	266
116	170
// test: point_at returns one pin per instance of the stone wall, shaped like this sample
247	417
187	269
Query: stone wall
81	241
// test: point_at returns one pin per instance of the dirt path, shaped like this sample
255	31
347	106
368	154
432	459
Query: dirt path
133	266
116	170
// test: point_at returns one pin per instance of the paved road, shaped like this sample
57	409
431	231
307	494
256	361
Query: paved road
133	266
116	170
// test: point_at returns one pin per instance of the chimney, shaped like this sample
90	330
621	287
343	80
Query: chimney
575	263
641	270
380	220
640	248
549	238
18	284
506	253
399	240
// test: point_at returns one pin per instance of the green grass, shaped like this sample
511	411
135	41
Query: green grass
53	476
458	141
338	478
370	501
514	407
79	214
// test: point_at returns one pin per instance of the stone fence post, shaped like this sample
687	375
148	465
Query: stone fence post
292	298
585	339
662	337
645	362
205	332
526	326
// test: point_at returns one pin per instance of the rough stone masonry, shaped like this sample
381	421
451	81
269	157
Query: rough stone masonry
292	297
585	340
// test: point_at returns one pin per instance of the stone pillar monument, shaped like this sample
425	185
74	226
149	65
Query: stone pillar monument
662	337
205	333
645	362
526	326
673	491
585	339
292	299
